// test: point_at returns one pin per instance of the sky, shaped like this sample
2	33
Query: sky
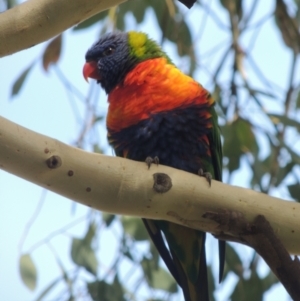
43	105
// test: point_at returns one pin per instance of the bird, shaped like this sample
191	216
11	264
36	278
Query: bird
159	114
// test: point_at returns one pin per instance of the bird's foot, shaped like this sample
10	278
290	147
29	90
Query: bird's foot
150	160
207	175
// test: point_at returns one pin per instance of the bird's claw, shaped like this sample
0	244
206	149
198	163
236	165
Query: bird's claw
207	175
150	160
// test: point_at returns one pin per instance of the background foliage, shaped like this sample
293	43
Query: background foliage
258	116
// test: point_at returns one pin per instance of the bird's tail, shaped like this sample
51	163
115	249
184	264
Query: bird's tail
194	290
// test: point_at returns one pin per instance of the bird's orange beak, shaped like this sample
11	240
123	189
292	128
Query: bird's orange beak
90	70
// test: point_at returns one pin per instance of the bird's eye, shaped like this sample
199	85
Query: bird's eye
108	51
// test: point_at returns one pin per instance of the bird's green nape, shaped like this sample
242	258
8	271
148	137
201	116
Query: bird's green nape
144	48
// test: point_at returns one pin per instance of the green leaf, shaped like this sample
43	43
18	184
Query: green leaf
238	140
283	172
233	261
91	21
234	7
155	255
276	119
158	278
97	149
108	218
161	279
269	281
84	256
11	3
211	283
231	147
20	81
297	2
82	253
136	7
28	271
175	29
103	291
248	289
183	39
294	190
294	155
90	234
298	97
135	228
52	52
288	26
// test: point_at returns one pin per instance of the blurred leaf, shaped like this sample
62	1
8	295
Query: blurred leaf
52	52
233	261
288	26
231	147
174	28
158	278
234	7
99	118
97	149
28	271
155	255
47	289
138	9
188	3
103	291
248	289
298	100
120	23
297	2
269	281
294	155
84	256
82	253
260	168
285	121
238	139
108	218
128	254
91	21
211	283
20	81
294	190
135	228
283	172
90	234
183	38
11	3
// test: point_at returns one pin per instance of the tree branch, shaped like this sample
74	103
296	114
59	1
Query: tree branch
36	21
260	236
123	186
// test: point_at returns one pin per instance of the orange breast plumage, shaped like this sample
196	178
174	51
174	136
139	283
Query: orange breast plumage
153	86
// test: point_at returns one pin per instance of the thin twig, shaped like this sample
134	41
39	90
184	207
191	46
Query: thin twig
57	232
33	218
280	135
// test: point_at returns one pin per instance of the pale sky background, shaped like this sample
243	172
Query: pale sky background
44	106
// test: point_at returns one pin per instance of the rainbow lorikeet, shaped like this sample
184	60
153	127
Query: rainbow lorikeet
157	111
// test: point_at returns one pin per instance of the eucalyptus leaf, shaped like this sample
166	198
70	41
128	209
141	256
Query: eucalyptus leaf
28	271
104	291
135	228
18	84
294	190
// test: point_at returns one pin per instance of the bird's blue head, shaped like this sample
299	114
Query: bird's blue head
115	54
